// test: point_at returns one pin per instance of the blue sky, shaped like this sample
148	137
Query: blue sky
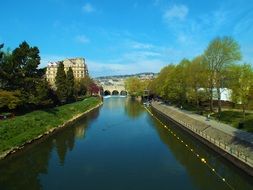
125	36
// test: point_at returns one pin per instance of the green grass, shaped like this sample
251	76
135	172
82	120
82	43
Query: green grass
234	117
14	132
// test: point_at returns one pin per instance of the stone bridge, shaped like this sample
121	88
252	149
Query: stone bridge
114	90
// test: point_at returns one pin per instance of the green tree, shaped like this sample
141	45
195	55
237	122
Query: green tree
60	82
7	71
43	93
166	80
180	78
134	86
10	99
86	84
70	82
241	83
19	71
196	81
1	63
172	80
81	87
1	53
25	60
220	53
162	84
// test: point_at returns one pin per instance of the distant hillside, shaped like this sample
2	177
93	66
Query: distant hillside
126	76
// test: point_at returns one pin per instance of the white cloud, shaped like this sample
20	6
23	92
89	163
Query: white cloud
99	68
132	61
137	55
176	12
82	39
88	8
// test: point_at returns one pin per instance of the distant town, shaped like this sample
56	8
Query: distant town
119	79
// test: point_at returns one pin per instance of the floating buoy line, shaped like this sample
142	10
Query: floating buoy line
202	159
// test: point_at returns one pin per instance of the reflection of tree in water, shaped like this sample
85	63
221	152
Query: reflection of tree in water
65	140
82	125
79	132
133	108
200	174
23	171
114	102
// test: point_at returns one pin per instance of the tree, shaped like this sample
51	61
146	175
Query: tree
60	82
43	95
25	60
6	70
134	86
81	87
172	80
241	84
196	81
220	53
180	78
93	89
19	71
162	85
70	82
167	79
86	83
1	63
10	99
1	53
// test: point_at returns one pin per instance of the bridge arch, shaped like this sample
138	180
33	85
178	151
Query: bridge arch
107	93
115	92
123	93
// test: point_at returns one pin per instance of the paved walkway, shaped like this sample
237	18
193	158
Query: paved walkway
242	135
235	140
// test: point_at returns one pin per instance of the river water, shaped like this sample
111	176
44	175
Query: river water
120	146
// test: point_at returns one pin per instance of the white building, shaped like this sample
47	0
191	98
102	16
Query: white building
78	66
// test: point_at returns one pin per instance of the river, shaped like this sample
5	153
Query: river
120	146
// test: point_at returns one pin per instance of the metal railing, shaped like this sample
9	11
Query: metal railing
180	118
225	147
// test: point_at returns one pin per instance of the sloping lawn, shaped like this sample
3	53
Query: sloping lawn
234	118
14	132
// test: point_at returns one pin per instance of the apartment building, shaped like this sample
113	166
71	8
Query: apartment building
78	66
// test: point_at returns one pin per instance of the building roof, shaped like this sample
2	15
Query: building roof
72	60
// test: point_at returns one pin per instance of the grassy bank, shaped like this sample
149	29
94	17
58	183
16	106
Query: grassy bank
15	132
234	118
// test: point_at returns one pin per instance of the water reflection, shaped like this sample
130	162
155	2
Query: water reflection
81	126
118	102
201	175
118	146
133	109
23	171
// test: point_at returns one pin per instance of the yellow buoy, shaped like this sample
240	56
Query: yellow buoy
203	160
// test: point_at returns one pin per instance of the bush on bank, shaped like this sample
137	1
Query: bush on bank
15	132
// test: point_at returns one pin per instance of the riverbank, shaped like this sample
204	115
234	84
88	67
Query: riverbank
235	118
20	131
233	144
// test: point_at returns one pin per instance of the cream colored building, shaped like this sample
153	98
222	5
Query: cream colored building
78	66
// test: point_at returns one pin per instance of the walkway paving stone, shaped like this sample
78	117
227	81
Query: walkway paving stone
238	141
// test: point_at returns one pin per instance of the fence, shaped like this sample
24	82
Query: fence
198	128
